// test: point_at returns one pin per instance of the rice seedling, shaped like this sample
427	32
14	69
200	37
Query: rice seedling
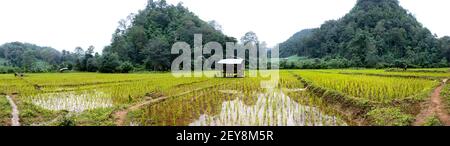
204	101
418	73
235	102
378	89
72	102
446	96
5	112
11	85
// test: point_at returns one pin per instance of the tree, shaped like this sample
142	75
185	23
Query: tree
28	60
250	37
444	43
109	63
145	38
157	55
443	63
215	25
22	55
91	65
126	67
79	52
89	62
295	44
80	65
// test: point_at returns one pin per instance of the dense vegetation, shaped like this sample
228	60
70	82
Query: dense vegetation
23	56
375	33
5	111
145	39
293	45
142	42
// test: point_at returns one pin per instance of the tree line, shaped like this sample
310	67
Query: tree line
142	42
25	57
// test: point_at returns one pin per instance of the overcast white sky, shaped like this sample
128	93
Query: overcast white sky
65	24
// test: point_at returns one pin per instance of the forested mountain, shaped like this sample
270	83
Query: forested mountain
375	33
292	45
28	56
145	39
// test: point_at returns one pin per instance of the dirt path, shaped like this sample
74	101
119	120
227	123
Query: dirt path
121	116
15	112
435	107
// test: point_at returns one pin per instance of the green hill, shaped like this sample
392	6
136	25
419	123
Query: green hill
295	43
375	33
28	57
147	40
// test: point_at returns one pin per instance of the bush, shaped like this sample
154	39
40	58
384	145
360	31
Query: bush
389	117
432	121
126	67
382	65
109	63
67	119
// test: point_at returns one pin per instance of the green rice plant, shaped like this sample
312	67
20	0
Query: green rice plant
94	96
5	111
72	102
378	89
389	117
12	85
445	93
81	79
31	114
245	106
428	73
289	81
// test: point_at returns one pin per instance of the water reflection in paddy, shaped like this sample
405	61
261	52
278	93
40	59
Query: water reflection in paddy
271	109
72	102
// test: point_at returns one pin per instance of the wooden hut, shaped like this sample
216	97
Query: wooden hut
63	69
233	68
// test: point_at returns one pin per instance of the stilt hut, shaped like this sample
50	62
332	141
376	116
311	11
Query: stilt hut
232	68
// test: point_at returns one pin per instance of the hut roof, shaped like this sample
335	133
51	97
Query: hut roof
231	61
63	69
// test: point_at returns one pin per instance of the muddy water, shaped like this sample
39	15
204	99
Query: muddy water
271	109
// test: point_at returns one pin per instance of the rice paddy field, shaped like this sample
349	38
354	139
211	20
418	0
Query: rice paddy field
5	111
446	95
299	98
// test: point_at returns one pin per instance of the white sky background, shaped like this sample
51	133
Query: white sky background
65	24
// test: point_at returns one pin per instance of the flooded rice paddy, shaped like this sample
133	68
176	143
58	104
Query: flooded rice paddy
188	102
231	107
72	102
270	109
